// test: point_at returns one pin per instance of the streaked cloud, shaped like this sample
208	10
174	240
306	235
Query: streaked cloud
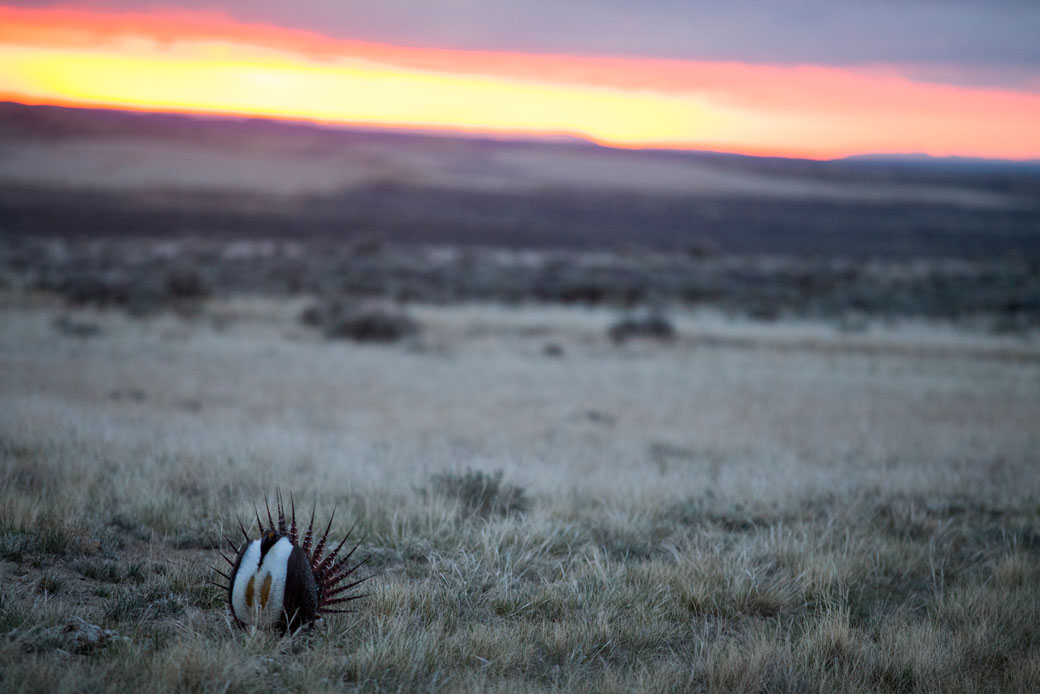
995	37
194	61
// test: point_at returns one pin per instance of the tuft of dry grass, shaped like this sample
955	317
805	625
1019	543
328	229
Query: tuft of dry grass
481	493
786	509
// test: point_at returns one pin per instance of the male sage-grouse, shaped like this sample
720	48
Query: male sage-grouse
277	582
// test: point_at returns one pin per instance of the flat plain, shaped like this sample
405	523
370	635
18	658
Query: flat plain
748	506
606	420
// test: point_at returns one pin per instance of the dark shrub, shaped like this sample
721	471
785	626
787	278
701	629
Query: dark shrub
186	284
313	315
553	349
97	289
702	248
764	309
372	325
363	324
649	325
76	328
140	293
481	494
586	293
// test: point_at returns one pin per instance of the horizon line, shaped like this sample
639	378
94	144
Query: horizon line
562	138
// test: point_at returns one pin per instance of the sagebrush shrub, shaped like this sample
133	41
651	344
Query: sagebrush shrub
480	493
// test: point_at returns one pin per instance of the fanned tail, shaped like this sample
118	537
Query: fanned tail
332	572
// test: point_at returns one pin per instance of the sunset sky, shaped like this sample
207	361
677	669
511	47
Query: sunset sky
802	78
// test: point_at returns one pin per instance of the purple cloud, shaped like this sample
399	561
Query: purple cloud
951	40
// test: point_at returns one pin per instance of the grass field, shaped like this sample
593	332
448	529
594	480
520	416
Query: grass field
750	507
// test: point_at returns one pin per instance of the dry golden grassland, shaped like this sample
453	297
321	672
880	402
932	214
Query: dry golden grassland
751	507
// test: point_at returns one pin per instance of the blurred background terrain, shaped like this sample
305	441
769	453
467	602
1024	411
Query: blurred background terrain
119	208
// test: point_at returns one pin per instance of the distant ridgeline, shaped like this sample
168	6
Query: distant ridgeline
108	173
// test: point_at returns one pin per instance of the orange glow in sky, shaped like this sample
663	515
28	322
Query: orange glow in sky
205	63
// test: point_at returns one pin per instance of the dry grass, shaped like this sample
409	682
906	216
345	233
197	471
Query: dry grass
746	508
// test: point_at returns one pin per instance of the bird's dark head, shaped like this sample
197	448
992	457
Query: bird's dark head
267	540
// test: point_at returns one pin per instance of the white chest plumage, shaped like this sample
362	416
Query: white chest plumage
258	593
